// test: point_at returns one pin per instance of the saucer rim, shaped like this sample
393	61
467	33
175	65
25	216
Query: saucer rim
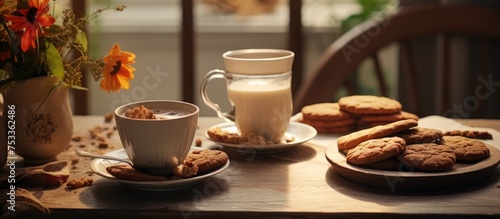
167	185
270	147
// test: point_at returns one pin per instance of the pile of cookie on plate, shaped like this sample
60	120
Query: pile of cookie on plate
402	145
391	145
352	113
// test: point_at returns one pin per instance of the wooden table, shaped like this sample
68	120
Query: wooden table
299	183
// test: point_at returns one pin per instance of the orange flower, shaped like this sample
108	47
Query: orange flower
30	21
117	73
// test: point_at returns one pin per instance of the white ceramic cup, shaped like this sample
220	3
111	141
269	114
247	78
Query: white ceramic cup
258	87
157	146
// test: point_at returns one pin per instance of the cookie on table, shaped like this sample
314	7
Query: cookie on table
375	150
466	149
470	134
127	172
353	139
325	111
429	157
418	135
368	104
207	160
388	117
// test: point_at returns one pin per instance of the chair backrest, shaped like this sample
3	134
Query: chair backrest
340	60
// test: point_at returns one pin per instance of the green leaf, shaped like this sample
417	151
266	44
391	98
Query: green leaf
54	61
81	38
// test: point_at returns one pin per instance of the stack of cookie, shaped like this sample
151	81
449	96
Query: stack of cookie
328	118
353	113
373	110
402	145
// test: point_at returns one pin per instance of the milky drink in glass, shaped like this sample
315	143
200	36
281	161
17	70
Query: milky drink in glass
262	107
258	87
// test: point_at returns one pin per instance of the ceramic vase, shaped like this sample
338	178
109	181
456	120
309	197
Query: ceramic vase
43	119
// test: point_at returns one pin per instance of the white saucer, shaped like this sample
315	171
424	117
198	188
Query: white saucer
299	131
99	167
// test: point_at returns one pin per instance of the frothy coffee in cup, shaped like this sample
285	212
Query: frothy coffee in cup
168	113
157	145
141	112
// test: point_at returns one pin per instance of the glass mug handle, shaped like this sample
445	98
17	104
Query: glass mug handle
216	74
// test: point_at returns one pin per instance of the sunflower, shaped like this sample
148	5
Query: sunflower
117	73
30	21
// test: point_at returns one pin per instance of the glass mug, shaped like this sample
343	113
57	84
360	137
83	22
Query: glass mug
258	88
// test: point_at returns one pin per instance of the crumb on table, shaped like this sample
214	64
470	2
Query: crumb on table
108	117
198	142
77	183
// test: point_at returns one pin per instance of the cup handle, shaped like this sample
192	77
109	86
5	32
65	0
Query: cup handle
215	74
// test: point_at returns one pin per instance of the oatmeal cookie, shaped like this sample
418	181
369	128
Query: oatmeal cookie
127	172
185	170
207	160
470	134
325	111
365	125
367	104
336	130
429	157
353	139
388	164
418	135
217	134
467	149
375	150
328	123
388	117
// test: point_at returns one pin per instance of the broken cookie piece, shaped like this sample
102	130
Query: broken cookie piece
186	169
470	134
140	112
77	183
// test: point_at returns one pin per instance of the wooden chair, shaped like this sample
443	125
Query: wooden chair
337	65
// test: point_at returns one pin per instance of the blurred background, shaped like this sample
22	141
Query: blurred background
152	30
